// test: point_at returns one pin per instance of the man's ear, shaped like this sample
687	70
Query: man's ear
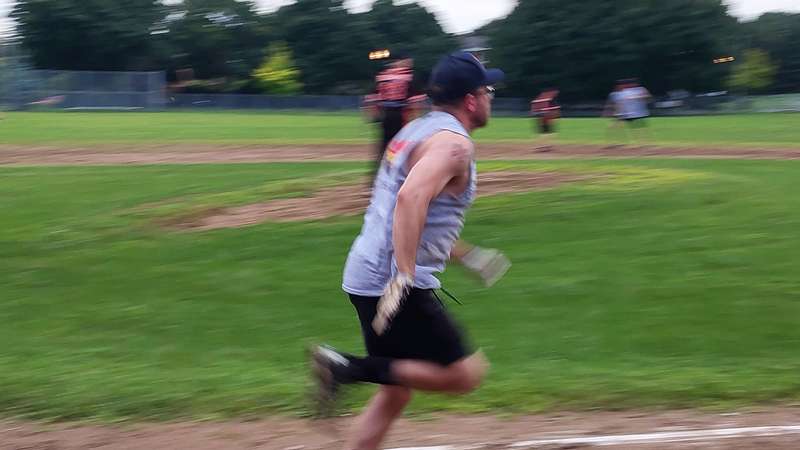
471	102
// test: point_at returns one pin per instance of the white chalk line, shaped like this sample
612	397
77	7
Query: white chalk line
647	438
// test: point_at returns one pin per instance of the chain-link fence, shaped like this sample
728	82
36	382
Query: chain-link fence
85	90
14	76
715	103
22	87
268	102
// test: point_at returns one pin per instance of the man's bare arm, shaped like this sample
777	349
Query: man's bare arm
446	157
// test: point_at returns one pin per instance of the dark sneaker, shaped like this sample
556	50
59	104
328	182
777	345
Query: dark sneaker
329	369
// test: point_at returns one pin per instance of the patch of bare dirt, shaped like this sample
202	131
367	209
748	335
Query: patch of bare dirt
207	153
178	154
479	432
351	200
521	151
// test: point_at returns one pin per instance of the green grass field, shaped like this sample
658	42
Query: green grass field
666	283
243	128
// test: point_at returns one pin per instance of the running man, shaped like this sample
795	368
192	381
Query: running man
425	185
633	101
394	102
546	110
613	109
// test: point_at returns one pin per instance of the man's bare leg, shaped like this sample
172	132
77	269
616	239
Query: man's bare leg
371	426
388	403
616	134
460	377
544	142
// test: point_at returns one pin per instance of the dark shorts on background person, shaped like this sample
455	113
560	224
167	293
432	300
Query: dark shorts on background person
422	330
546	126
391	119
391	123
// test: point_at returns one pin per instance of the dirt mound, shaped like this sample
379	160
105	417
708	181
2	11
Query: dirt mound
352	200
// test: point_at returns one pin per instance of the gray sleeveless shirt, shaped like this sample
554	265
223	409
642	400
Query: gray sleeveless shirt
371	264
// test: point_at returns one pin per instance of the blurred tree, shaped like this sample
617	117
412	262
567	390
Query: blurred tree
778	34
754	74
583	47
278	75
214	38
331	46
89	34
409	28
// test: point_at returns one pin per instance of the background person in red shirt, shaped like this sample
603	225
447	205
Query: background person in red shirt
396	100
546	111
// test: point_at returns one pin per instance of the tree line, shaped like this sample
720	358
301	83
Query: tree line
319	47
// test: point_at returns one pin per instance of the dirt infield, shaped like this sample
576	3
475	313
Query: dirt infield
350	200
480	432
205	153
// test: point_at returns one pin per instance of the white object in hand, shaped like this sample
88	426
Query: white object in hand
488	263
391	301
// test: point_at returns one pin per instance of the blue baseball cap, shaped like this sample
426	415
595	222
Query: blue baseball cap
459	74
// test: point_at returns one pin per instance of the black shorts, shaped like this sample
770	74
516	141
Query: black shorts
391	124
422	330
546	126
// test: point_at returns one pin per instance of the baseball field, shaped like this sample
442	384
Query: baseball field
174	266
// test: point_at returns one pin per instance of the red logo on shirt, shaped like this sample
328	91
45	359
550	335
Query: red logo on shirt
395	147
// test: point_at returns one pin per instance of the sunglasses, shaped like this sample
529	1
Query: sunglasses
487	90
